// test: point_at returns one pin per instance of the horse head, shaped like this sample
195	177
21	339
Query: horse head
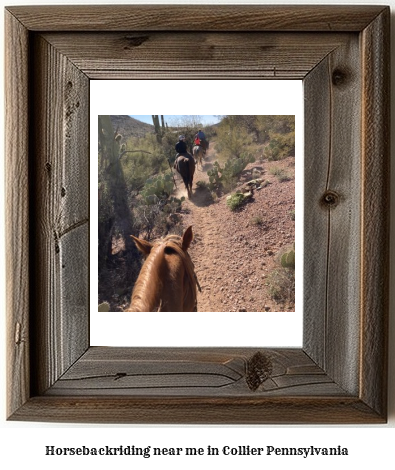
167	281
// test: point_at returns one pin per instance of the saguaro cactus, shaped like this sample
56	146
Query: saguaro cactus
159	131
113	181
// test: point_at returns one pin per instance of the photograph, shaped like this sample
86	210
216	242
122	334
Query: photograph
196	213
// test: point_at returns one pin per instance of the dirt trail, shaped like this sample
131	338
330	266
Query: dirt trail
205	250
233	254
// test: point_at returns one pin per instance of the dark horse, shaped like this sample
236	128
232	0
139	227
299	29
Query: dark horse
185	165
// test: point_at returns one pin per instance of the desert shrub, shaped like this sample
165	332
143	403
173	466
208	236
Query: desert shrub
138	165
280	146
155	206
226	175
256	220
259	128
281	281
232	140
158	218
270	125
281	174
234	201
281	285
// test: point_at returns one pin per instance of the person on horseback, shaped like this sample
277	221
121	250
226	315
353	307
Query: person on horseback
184	163
200	139
181	146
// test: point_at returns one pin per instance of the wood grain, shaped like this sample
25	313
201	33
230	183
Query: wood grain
339	376
60	197
332	238
375	212
17	213
198	372
196	18
198	410
196	55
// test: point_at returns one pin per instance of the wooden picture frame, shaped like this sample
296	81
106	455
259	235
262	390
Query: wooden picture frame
340	374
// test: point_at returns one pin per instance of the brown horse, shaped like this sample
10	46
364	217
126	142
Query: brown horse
198	154
167	280
185	165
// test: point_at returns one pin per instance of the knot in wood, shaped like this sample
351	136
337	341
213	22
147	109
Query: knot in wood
135	41
330	199
259	369
339	77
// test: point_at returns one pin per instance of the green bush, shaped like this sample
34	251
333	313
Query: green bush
232	140
227	175
280	146
156	188
234	201
139	166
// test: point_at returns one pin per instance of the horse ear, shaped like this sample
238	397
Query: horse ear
187	238
142	245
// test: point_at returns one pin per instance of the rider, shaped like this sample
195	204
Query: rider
181	147
200	139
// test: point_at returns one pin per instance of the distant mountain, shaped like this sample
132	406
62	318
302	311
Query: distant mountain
130	127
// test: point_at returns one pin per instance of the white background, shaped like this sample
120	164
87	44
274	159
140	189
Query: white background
23	444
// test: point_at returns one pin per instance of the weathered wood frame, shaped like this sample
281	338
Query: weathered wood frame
340	374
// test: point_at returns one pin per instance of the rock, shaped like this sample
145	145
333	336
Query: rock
104	307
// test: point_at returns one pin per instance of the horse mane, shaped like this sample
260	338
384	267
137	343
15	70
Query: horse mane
146	296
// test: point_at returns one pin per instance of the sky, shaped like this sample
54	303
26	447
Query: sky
209	119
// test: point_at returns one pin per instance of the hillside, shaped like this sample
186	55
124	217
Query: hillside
236	253
130	127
